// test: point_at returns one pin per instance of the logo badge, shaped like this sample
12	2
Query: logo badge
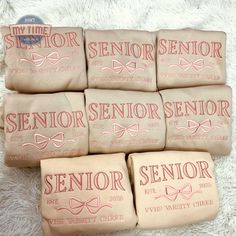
30	29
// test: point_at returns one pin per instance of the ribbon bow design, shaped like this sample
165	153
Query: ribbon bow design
76	206
185	65
205	125
194	126
37	60
171	193
118	67
119	130
41	141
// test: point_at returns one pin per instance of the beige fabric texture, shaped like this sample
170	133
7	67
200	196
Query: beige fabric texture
89	194
56	64
42	126
121	59
173	188
199	119
1	118
190	57
124	121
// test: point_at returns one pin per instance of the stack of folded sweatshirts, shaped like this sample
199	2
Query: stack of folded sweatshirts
52	122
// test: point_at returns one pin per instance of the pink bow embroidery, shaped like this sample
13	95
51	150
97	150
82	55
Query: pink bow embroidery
41	141
118	67
194	126
185	65
119	130
37	59
205	125
76	206
171	193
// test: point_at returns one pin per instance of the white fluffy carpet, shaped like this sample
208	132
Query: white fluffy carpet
20	188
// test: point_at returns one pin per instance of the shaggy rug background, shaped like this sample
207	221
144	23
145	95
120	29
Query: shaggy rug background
20	188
